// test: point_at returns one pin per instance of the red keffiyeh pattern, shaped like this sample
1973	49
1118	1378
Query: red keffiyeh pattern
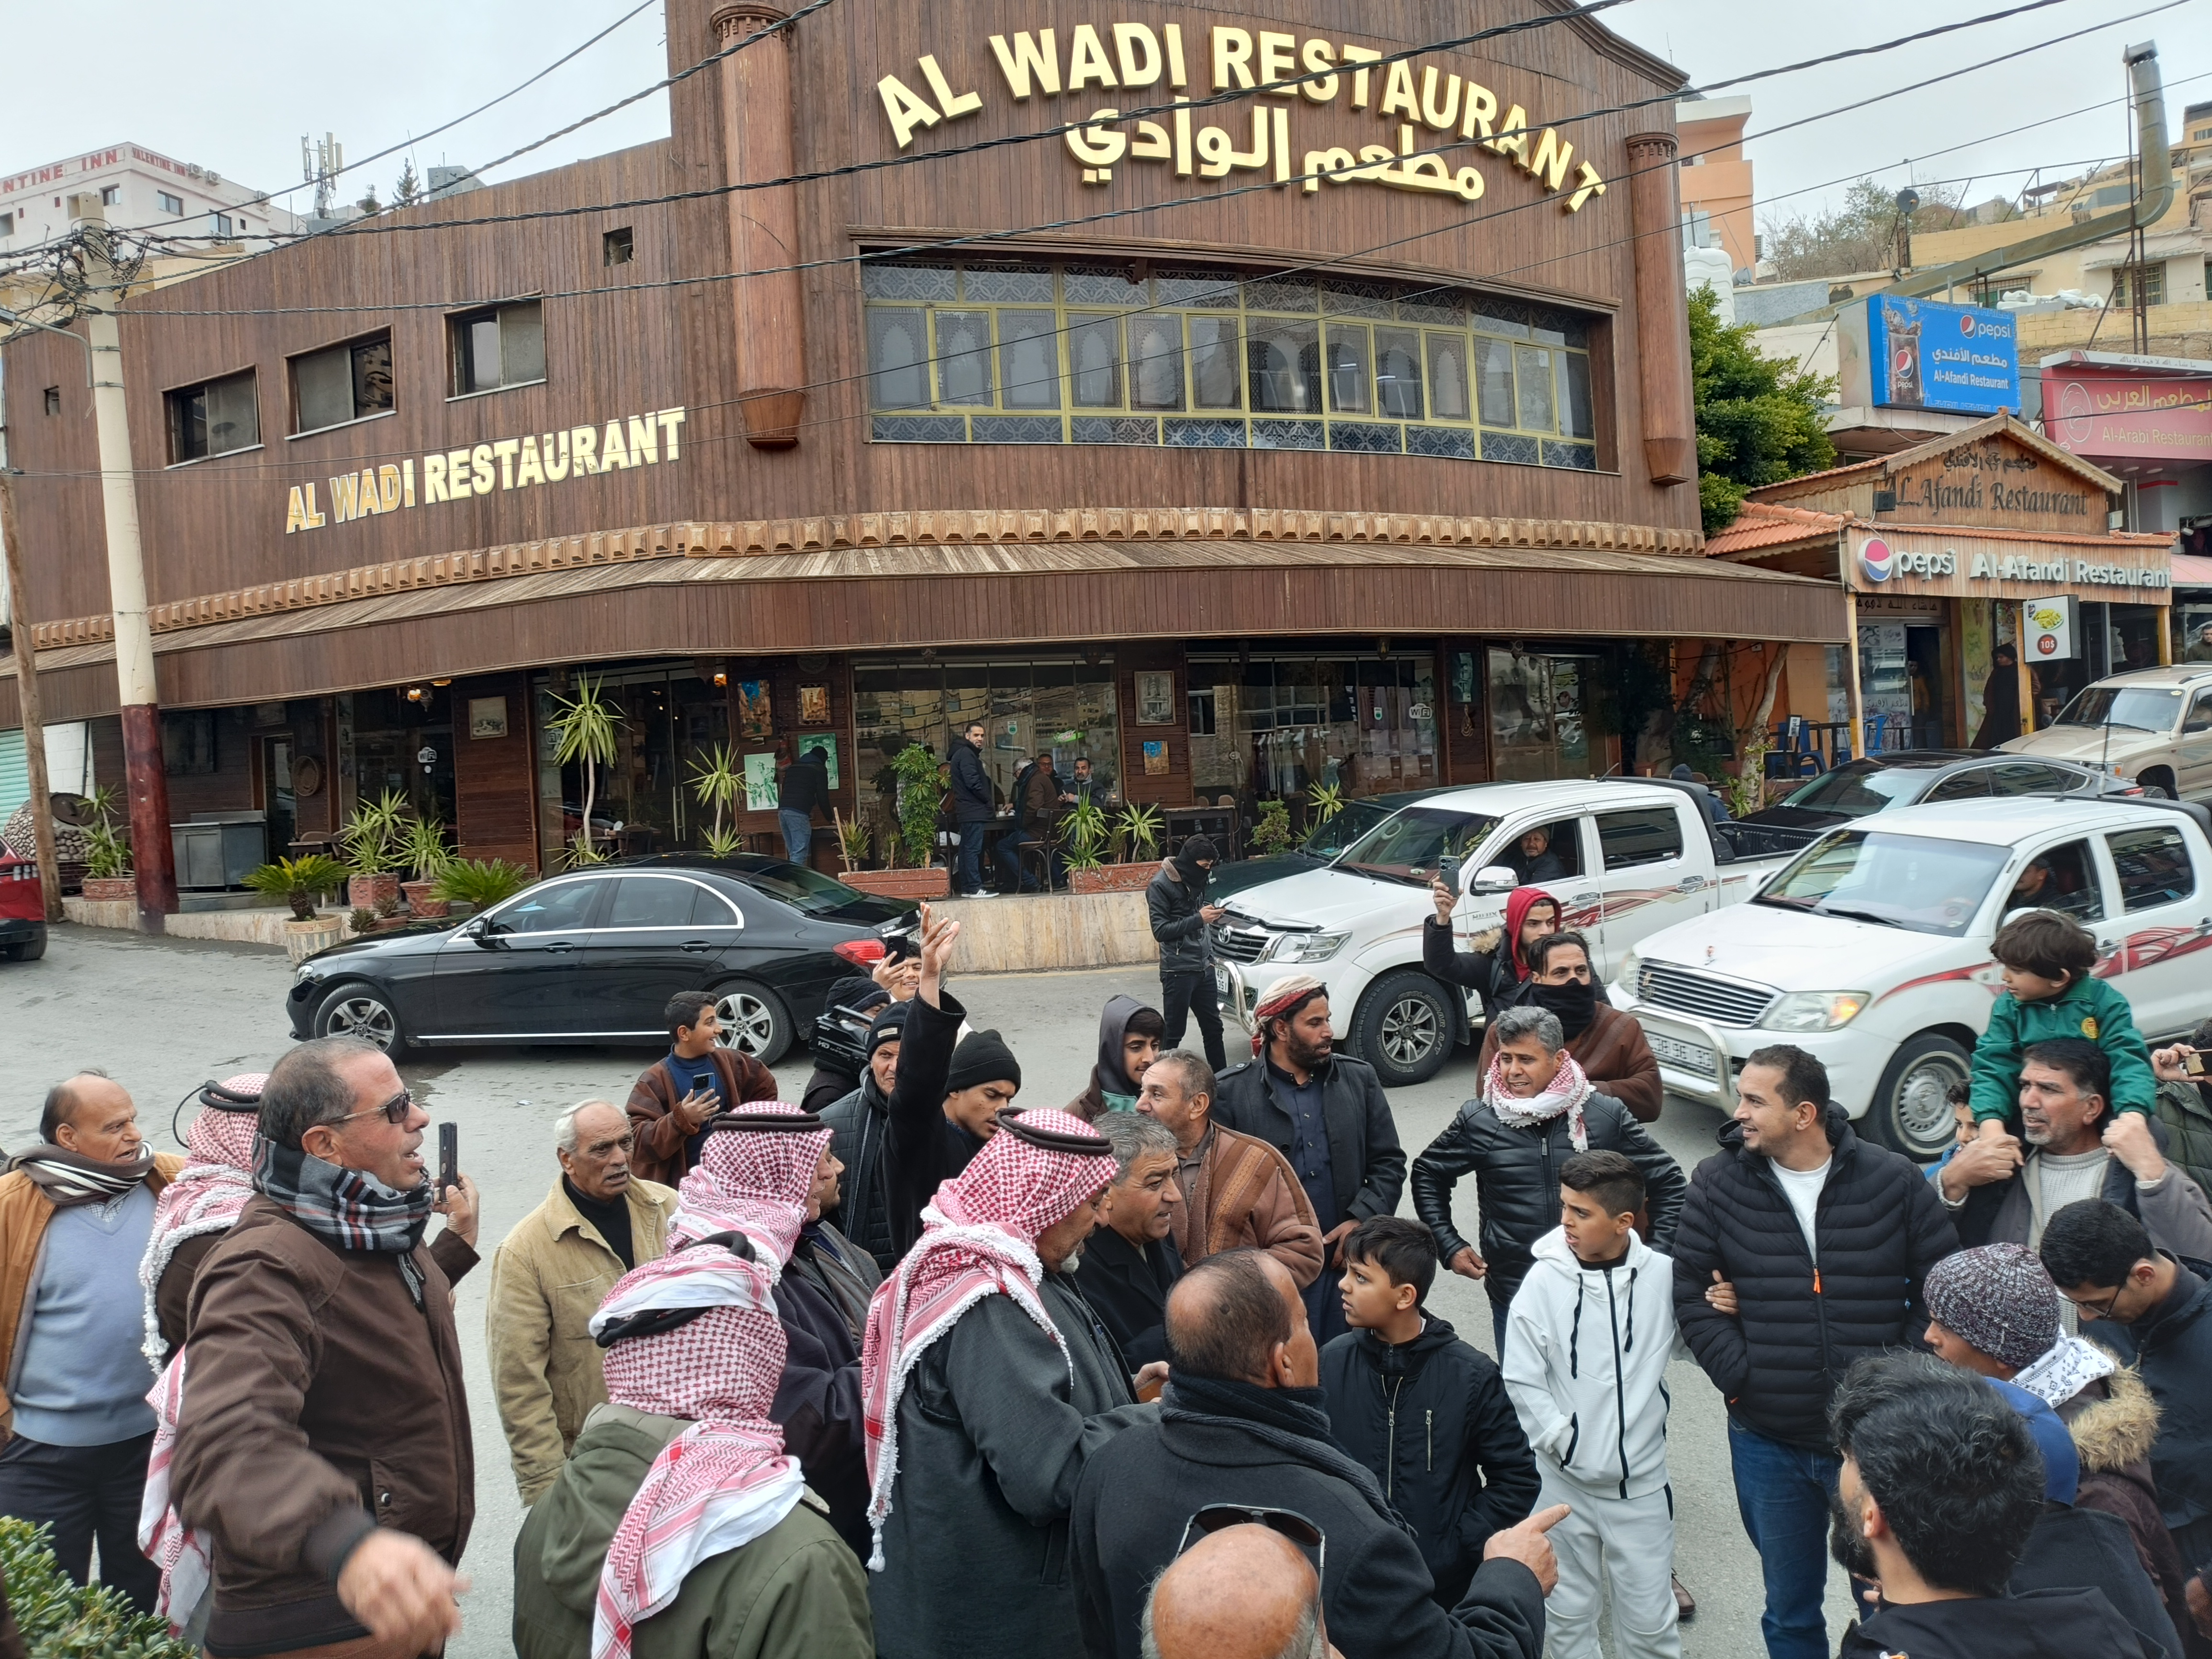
978	1239
1567	1092
755	1184
1284	996
725	1480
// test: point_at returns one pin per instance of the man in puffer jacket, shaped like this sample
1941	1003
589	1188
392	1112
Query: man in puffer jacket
1800	1248
1586	1350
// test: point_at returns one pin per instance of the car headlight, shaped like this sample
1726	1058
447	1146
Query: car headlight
1629	973
1307	947
306	970
1814	1010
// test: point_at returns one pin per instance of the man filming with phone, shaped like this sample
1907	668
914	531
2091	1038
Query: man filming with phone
674	1096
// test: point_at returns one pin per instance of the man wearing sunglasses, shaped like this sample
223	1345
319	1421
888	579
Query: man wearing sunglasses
324	1441
1242	1435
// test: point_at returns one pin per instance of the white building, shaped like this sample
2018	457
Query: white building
142	190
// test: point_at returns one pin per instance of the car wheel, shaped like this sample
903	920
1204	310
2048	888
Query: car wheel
29	950
361	1011
1911	1112
755	1022
2157	785
1404	1028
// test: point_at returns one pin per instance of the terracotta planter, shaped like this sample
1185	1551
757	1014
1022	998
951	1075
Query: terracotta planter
1112	878
420	902
367	892
934	883
303	939
108	890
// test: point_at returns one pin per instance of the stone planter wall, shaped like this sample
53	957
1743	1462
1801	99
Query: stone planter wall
110	889
1026	932
934	883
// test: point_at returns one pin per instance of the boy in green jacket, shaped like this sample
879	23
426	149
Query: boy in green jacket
2050	992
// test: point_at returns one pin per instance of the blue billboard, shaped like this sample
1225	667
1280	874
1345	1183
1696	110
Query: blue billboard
1924	354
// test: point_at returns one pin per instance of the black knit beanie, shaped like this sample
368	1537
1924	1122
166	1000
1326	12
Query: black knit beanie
889	1025
982	1057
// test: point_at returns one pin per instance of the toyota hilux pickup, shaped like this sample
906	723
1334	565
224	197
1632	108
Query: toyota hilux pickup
1633	856
1871	948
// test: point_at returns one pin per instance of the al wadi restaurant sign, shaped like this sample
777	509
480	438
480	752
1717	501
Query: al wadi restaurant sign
2114	414
1128	74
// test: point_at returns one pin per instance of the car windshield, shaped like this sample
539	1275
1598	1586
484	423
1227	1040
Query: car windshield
1929	885
1406	845
1861	787
800	888
2145	708
1353	820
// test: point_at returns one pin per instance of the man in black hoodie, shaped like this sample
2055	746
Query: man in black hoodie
1181	916
1129	1041
1939	1487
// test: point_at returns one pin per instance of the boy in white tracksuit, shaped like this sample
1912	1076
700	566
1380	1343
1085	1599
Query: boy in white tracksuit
1587	1343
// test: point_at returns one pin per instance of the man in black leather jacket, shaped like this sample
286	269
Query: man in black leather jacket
1175	903
1512	1139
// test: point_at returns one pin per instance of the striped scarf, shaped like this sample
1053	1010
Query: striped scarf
349	1208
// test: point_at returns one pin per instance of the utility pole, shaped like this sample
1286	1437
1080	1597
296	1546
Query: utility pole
152	857
26	698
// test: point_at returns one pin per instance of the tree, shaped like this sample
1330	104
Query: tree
1759	417
1861	235
409	189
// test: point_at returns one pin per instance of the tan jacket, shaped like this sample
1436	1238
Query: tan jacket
1243	1192
548	1278
24	1213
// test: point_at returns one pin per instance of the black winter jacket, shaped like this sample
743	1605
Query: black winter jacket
1127	1289
1184	946
1366	1162
1489	973
2077	1549
818	1405
971	784
1880	1227
1516	1173
881	1195
2043	1625
2173	1348
1432	1419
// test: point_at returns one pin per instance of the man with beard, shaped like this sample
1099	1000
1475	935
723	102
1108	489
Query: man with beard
76	1213
680	1528
1128	1041
989	1385
1327	1114
1940	1485
1536	1110
1607	1044
1182	920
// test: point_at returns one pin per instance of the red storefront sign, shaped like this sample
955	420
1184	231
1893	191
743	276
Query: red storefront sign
2102	414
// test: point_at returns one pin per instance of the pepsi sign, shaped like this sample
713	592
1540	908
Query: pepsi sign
1879	561
1924	354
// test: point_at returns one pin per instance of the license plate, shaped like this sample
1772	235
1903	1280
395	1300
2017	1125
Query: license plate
1221	981
1682	1056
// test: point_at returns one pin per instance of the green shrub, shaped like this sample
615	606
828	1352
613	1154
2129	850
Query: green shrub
480	882
59	1620
298	881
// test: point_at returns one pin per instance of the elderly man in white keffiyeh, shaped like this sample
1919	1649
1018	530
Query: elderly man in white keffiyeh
1536	1110
990	1384
680	1528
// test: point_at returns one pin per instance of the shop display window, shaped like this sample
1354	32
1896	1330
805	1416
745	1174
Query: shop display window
643	802
994	352
1272	724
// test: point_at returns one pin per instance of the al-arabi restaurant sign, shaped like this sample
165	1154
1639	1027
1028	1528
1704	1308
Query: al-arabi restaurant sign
1137	81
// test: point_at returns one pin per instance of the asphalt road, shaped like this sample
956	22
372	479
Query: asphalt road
162	1015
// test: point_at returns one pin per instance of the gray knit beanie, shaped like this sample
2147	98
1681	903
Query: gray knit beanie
1999	1299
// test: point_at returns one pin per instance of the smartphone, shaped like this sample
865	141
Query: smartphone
1448	871
449	1154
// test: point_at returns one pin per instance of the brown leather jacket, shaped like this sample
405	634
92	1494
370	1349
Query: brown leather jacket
1612	1055
1241	1191
653	1097
320	1401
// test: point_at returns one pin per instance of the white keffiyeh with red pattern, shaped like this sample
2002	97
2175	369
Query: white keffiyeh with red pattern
751	1182
1568	1091
205	1196
978	1238
726	1479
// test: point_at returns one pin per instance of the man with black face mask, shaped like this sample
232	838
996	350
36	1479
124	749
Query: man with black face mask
1607	1044
1181	918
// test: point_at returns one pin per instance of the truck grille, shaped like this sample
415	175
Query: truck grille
1708	996
1240	943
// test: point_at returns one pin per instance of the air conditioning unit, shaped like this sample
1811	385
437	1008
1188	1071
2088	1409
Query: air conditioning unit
213	177
193	168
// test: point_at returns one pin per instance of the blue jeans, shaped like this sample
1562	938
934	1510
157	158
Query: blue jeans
1782	1492
798	835
969	877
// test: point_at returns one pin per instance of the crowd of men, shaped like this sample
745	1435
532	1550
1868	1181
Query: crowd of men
917	1370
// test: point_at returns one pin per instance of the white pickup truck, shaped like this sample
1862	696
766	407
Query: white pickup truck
1638	855
1871	949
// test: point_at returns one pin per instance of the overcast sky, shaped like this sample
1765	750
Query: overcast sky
233	87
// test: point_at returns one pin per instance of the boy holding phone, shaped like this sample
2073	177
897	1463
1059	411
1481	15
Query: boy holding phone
673	1099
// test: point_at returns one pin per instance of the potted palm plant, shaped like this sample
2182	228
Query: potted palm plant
371	837
423	849
107	874
717	781
299	883
1136	831
919	792
583	730
479	883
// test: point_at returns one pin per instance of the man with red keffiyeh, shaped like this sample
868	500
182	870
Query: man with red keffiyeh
989	1385
680	1528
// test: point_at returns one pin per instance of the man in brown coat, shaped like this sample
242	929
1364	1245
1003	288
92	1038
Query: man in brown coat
323	1442
1607	1044
674	1096
1236	1190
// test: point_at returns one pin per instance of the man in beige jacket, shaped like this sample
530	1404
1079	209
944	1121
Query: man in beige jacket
548	1278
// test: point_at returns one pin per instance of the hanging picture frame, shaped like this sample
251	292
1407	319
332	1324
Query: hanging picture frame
1156	698
755	711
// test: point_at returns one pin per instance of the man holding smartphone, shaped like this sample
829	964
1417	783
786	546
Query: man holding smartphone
674	1096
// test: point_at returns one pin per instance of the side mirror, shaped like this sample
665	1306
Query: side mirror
1494	878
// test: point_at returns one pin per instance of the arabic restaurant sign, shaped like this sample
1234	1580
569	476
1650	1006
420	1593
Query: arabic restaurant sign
532	461
2103	414
1435	118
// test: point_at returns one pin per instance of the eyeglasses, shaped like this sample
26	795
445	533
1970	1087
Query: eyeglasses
2095	1309
395	1110
1288	1522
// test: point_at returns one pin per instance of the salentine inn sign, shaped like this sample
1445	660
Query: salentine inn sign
1437	117
533	460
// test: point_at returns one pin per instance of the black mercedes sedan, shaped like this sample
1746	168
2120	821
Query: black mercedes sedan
592	957
1906	777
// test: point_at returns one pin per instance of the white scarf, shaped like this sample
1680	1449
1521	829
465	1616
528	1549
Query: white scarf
1567	1092
2069	1366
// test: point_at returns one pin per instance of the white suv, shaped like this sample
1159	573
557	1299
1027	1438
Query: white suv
2152	725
